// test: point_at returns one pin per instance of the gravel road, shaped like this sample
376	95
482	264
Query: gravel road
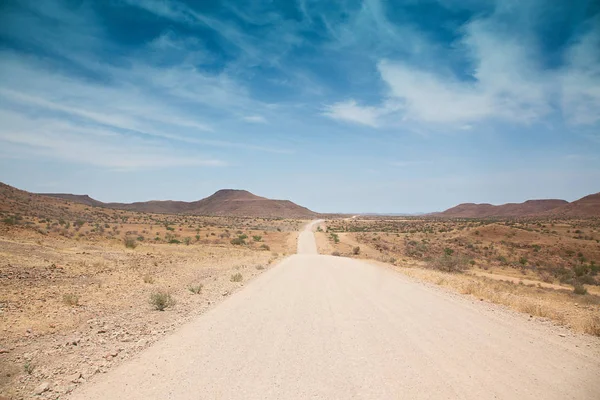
324	327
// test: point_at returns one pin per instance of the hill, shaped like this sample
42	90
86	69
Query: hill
226	202
588	206
527	208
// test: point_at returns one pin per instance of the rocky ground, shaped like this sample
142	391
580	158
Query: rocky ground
70	310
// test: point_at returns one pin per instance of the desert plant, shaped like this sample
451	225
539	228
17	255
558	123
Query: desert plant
257	238
196	289
238	241
265	247
260	267
161	300
130	242
187	241
579	289
356	250
336	253
71	299
449	263
237	277
28	367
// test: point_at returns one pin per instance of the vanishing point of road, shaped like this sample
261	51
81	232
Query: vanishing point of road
324	327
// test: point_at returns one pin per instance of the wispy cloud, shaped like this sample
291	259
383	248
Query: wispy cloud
41	137
508	82
350	111
257	119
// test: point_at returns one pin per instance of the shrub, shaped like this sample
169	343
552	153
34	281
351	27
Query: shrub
335	237
356	250
196	289
130	242
336	253
257	238
161	300
238	241
187	241
28	367
174	241
71	299
265	247
448	263
260	267
448	251
578	288
237	277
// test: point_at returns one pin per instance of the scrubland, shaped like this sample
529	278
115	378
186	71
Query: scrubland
547	268
83	288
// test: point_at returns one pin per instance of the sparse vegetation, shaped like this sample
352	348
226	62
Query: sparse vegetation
237	277
71	299
130	242
161	300
356	250
196	289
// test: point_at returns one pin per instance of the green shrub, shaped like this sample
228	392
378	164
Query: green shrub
265	247
161	300
578	288
257	238
238	241
130	242
237	277
449	263
196	289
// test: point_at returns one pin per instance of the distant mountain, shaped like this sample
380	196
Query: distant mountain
226	202
528	208
588	206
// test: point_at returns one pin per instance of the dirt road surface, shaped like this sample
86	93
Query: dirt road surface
324	327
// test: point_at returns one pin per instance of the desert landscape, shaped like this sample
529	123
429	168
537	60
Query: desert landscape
292	200
84	284
81	284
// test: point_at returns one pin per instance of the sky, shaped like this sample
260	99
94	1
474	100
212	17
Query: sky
341	106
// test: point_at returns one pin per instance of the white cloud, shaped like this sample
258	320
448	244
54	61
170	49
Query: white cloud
508	82
257	119
352	112
49	138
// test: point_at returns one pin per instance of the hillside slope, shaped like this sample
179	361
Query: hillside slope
529	207
222	203
588	206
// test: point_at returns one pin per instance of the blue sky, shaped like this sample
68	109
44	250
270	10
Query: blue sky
341	106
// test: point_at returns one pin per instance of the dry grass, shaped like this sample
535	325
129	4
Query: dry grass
578	312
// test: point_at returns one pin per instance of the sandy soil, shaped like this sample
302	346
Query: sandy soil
324	327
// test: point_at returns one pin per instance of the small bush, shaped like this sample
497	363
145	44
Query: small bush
237	277
578	288
187	241
130	242
449	263
196	289
356	250
238	241
161	300
174	241
28	367
257	238
265	247
336	253
260	267
71	299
